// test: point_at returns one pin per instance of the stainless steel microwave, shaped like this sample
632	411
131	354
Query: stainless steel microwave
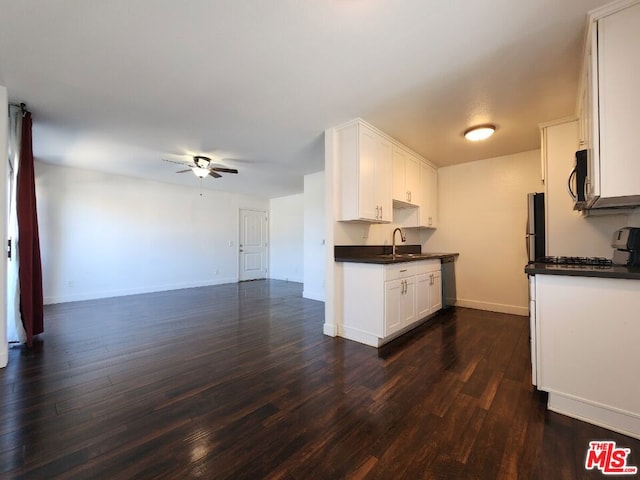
577	183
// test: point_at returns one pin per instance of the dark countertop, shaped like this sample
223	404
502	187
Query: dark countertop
615	271
381	254
387	259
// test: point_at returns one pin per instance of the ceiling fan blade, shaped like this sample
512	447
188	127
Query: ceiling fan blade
214	174
183	171
223	170
173	161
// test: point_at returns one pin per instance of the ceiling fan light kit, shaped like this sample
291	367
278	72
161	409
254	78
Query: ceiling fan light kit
202	167
201	161
200	172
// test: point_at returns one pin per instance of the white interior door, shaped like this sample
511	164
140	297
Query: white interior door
253	245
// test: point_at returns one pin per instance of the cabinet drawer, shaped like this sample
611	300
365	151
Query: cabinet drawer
428	266
401	270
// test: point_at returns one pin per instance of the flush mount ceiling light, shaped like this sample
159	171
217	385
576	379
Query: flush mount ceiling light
479	132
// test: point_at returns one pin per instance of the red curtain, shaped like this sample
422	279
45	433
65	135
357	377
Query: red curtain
30	274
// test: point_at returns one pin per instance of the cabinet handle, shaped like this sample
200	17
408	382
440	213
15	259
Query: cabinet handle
403	270
409	194
571	176
377	214
381	213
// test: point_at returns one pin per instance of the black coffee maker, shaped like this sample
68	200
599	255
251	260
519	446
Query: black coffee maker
626	243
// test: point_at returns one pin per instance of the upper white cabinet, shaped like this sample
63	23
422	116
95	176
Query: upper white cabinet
406	177
364	167
429	208
374	172
608	104
426	215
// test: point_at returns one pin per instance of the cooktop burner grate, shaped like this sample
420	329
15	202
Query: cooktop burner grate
598	261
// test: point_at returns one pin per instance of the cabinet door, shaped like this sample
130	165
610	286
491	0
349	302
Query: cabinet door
591	134
368	159
429	202
392	306
423	295
584	110
412	179
406	177
436	291
619	102
383	175
399	191
408	302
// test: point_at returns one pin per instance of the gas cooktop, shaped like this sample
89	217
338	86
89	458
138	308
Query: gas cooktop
591	261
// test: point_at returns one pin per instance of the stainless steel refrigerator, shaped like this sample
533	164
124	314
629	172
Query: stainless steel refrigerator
535	236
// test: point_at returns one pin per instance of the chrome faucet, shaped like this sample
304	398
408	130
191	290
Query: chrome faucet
402	237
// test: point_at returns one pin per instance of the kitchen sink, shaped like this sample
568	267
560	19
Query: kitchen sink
402	255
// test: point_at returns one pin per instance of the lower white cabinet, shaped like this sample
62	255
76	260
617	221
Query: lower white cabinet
436	291
382	301
587	354
429	289
399	304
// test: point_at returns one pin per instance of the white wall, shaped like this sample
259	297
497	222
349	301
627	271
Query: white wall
286	233
314	237
569	233
106	235
4	148
372	234
482	215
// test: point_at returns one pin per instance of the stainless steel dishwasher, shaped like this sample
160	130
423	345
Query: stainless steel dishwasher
448	282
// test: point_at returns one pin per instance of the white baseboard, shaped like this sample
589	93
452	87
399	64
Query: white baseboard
493	307
4	354
80	296
330	329
359	336
313	294
601	415
292	278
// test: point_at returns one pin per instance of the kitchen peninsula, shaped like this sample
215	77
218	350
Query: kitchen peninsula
387	294
584	342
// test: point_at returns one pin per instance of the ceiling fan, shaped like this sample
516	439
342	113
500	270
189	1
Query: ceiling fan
202	167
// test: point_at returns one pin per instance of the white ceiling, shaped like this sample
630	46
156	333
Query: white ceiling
117	85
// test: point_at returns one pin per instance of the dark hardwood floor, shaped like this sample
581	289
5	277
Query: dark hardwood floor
237	381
